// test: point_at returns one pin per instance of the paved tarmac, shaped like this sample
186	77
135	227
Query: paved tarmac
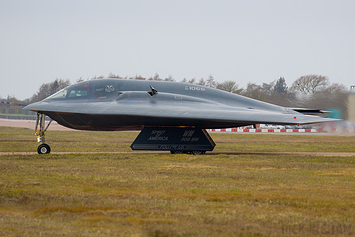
30	124
343	154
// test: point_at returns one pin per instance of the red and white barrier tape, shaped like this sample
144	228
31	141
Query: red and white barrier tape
261	130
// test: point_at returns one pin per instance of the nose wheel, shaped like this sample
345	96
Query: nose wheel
39	132
44	149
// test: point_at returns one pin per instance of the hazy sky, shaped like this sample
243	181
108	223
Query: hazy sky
244	41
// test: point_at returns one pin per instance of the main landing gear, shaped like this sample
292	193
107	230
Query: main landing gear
189	152
39	132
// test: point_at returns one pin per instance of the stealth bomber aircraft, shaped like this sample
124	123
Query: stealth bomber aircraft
173	116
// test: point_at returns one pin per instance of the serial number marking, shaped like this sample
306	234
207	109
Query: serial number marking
194	88
175	147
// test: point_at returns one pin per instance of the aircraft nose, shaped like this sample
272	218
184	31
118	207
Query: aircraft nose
33	106
27	107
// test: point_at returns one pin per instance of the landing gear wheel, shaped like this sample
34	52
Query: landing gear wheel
198	152
176	152
44	149
189	152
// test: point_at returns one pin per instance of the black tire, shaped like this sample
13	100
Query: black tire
176	152
198	152
44	149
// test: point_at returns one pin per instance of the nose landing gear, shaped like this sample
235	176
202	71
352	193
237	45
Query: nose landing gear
39	132
43	149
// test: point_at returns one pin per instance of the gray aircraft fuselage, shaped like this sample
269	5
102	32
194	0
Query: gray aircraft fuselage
119	104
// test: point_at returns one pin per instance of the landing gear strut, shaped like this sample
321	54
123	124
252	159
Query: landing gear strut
39	132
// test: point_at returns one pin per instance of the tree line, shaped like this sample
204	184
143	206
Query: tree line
309	91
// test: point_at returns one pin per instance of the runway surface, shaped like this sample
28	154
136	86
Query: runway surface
208	153
30	124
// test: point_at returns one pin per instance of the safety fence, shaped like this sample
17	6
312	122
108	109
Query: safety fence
263	130
341	127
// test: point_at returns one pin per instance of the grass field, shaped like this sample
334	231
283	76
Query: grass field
176	195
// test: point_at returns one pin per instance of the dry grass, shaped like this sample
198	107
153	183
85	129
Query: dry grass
175	195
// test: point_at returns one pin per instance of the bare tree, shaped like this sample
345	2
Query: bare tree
201	82
254	91
169	78
156	77
309	84
267	88
334	96
48	89
230	86
265	92
111	75
80	80
192	81
139	77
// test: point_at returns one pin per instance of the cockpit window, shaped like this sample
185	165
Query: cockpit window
78	93
71	92
59	95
